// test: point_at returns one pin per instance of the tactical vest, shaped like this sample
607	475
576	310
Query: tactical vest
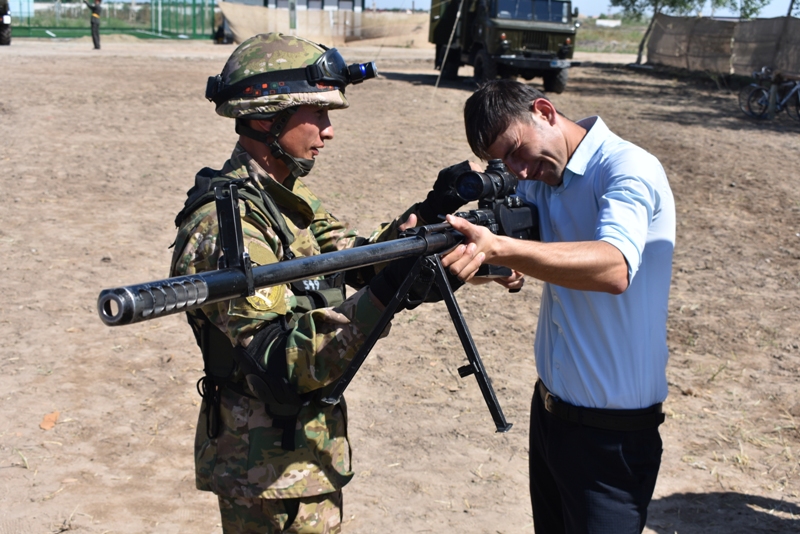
236	368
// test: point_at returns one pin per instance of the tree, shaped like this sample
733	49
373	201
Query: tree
637	8
747	9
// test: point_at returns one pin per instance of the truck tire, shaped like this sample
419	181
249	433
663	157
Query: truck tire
556	82
5	35
485	68
450	67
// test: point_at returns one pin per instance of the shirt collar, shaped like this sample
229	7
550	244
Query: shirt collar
596	133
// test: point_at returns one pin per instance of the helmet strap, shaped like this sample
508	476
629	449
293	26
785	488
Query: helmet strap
297	166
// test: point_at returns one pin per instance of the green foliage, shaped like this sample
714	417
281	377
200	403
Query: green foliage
636	8
747	9
66	15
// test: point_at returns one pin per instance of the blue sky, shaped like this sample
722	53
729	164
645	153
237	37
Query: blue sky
776	8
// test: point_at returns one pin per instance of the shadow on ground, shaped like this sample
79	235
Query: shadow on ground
693	99
720	513
421	78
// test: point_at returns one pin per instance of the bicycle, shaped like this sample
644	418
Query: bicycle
754	98
763	76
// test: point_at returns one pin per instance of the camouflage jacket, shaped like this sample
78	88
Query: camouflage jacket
246	459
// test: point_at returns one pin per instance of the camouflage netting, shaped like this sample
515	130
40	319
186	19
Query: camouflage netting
699	43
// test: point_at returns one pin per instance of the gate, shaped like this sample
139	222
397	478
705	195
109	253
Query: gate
170	19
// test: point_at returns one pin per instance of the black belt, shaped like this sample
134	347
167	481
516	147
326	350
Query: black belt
624	420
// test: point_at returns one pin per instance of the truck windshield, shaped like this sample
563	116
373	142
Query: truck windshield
544	10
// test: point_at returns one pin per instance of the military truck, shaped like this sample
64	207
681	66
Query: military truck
505	38
5	23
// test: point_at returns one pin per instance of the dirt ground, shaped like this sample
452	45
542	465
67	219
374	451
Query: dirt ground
96	152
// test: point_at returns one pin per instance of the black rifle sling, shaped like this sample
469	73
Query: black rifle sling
217	368
203	193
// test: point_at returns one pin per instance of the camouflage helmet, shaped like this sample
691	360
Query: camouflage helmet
267	73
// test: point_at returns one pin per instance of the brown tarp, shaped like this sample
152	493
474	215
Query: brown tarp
767	42
700	43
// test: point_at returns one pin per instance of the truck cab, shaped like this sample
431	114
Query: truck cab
505	38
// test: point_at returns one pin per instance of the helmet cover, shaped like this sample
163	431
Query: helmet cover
267	53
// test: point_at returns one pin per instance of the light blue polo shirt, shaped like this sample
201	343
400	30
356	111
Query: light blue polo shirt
595	349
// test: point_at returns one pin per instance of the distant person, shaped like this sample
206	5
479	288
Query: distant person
275	455
95	20
607	224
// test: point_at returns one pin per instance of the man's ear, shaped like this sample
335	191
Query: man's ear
543	108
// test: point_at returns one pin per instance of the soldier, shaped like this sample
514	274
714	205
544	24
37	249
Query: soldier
273	453
95	9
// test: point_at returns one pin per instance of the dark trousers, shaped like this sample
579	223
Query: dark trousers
95	34
589	480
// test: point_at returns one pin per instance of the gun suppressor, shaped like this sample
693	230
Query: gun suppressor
142	302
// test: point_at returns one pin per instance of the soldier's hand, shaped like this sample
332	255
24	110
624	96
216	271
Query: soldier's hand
411	222
385	284
442	199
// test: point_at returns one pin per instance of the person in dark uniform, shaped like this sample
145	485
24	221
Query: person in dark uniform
95	9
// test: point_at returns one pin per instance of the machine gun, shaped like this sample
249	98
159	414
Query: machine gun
498	209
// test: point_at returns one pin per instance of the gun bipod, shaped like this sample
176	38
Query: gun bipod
475	365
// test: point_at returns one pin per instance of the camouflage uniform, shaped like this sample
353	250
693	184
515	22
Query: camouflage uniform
247	460
310	515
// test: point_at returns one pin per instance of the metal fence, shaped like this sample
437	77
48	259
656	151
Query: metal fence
184	19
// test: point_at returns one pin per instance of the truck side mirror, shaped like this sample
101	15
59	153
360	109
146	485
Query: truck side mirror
575	13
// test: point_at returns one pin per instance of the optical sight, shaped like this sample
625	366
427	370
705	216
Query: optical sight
495	183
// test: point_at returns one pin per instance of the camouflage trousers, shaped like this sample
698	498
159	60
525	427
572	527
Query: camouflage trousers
321	514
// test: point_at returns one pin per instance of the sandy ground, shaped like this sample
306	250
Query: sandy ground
96	152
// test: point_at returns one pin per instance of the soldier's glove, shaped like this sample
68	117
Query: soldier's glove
424	289
442	198
385	284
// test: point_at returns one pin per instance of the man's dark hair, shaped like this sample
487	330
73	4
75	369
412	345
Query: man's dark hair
491	110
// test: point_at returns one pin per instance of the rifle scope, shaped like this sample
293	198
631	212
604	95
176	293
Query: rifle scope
495	183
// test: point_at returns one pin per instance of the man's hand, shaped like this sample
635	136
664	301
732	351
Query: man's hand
513	283
465	260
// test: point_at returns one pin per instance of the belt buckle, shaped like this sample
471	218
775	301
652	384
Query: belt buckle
549	401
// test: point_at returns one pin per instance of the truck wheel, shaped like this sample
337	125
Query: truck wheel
485	69
5	35
450	67
556	82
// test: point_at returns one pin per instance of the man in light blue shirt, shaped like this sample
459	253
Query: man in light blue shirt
607	226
